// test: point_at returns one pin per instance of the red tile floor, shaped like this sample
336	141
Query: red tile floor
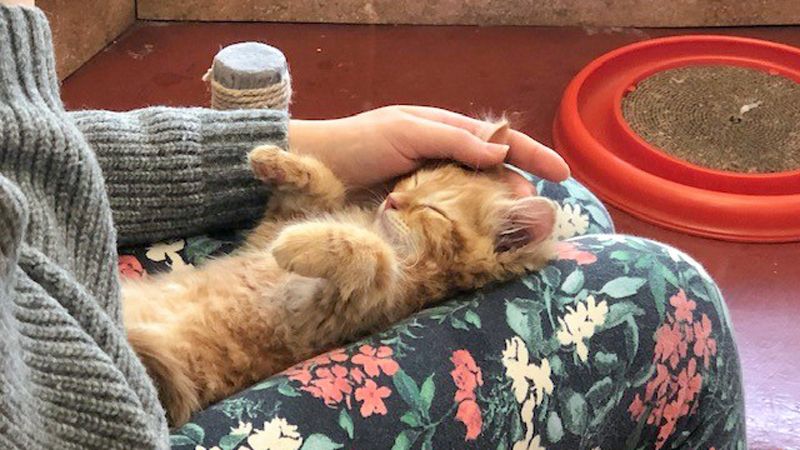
339	70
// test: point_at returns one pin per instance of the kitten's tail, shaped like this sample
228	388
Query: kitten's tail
177	392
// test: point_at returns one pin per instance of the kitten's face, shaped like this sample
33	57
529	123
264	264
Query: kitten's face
456	215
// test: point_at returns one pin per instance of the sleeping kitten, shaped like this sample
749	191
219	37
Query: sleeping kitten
318	273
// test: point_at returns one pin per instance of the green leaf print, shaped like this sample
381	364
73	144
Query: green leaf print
473	318
411	418
600	392
524	317
539	186
551	276
198	248
599	216
605	362
532	283
600	413
667	274
346	423
631	338
427	444
319	441
621	255
658	288
623	287
241	408
555	430
644	262
643	375
404	440
193	432
620	312
556	365
574	282
459	324
407	388
179	439
287	390
268	384
575	413
230	441
426	394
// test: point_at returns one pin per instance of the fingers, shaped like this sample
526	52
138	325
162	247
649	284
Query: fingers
525	152
443	141
535	157
474	126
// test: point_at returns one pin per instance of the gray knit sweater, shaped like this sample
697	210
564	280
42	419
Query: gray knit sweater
73	185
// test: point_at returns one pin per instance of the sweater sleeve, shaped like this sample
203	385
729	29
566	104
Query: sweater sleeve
173	172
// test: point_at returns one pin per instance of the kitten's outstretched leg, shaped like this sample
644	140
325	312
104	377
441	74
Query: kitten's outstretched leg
302	183
302	186
355	260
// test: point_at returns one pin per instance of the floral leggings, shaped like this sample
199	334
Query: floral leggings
622	343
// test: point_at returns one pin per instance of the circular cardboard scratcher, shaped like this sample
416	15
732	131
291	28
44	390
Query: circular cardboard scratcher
694	133
722	117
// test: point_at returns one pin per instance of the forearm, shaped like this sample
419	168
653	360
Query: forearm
178	171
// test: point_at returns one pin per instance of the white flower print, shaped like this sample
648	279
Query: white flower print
515	359
570	222
612	238
277	434
200	447
533	444
243	428
579	324
167	251
529	441
526	377
530	382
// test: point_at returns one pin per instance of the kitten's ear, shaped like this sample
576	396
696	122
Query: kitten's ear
528	221
497	133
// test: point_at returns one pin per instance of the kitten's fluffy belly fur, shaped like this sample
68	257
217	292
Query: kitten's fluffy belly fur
317	273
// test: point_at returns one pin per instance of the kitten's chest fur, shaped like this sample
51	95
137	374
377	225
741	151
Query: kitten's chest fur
242	318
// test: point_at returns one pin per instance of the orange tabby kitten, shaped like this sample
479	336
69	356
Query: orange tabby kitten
318	273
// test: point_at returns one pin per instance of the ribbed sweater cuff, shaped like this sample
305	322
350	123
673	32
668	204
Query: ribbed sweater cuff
173	172
27	66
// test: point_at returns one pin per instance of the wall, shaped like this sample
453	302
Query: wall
643	13
83	28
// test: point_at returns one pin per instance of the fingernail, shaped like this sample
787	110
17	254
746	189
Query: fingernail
499	149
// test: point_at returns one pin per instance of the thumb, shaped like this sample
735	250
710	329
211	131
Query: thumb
435	140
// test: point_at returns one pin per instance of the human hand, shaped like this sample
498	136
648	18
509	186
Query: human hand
378	145
16	2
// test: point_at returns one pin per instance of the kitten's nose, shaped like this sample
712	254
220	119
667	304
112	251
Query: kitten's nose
392	202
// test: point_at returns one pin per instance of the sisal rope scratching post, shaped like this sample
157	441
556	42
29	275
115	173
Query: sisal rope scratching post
249	75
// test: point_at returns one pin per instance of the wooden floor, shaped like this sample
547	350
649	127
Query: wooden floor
339	70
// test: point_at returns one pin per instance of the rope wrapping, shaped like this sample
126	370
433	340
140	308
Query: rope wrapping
274	96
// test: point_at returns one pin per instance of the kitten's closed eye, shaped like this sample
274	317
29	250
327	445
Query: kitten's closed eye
437	210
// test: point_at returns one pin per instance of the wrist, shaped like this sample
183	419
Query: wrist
314	137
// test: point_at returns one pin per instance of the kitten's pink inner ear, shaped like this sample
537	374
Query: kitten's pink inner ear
543	218
530	221
498	133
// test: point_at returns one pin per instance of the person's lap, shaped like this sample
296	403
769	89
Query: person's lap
621	343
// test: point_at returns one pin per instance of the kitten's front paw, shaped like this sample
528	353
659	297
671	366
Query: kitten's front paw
352	258
271	164
294	251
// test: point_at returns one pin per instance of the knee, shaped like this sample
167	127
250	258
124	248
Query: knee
619	265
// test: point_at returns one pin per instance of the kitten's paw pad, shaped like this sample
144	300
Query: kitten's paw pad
273	165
